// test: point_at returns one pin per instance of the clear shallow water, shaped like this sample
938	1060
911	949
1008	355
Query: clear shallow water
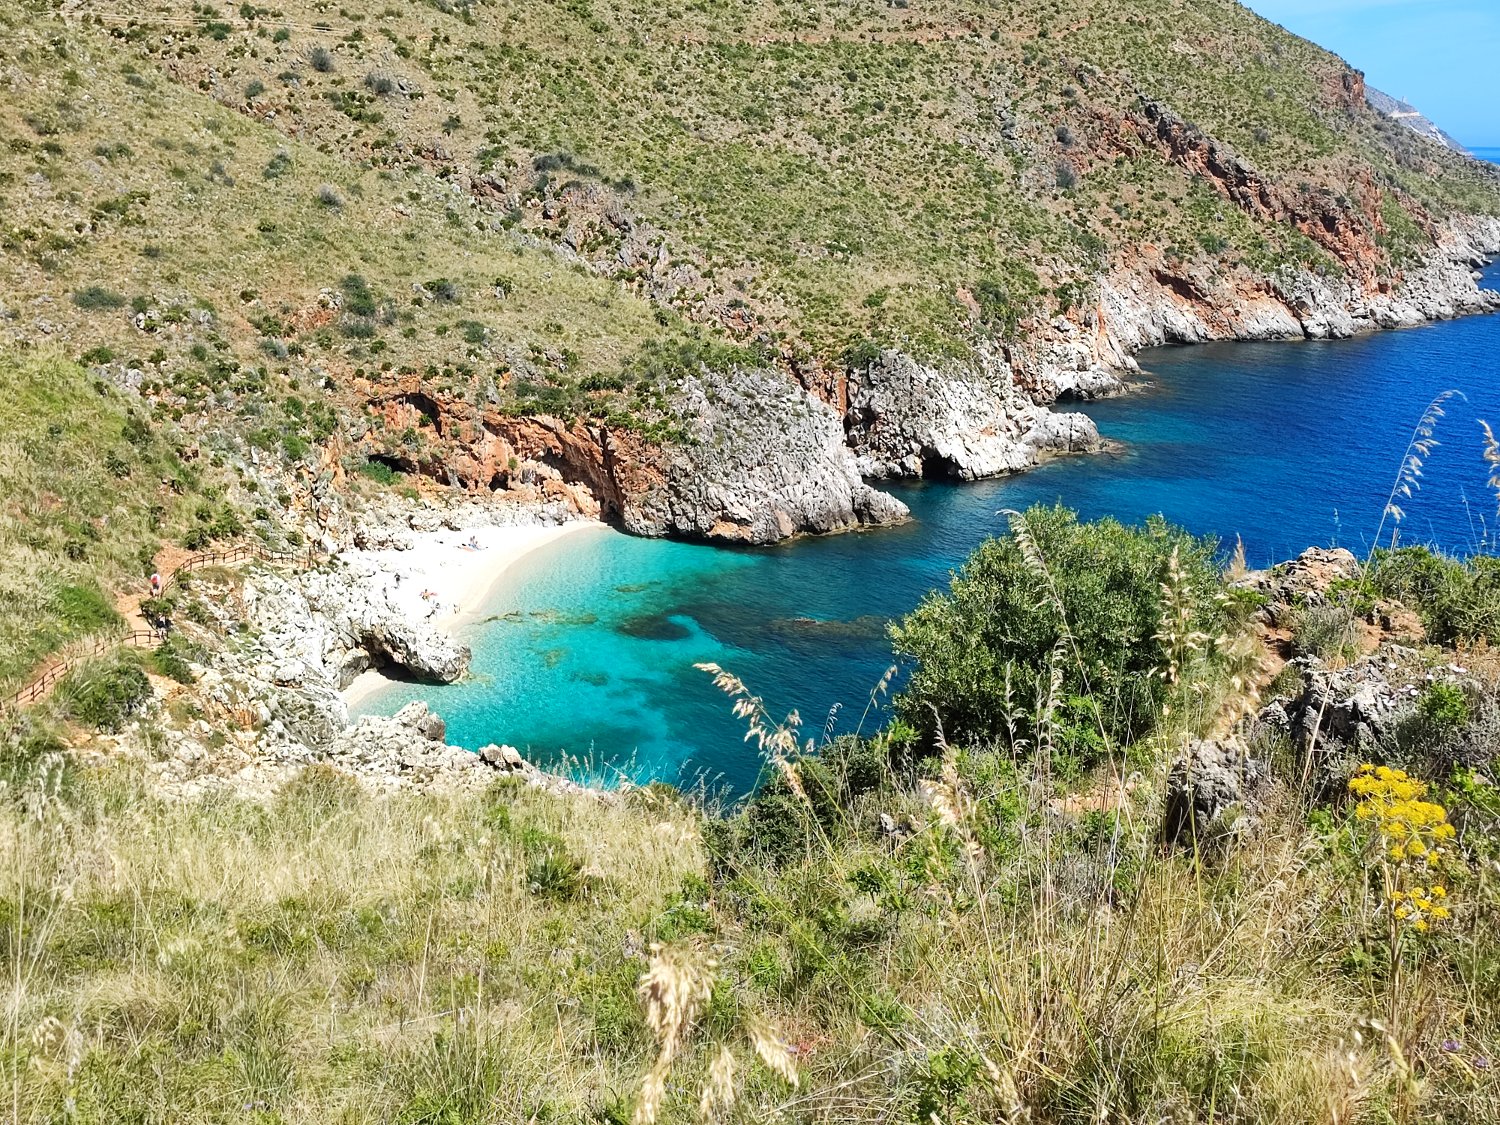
1286	445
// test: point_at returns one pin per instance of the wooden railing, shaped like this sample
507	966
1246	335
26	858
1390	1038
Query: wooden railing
91	647
232	555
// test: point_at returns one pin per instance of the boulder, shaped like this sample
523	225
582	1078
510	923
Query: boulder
1306	579
1208	784
504	758
402	750
1355	706
422	719
424	653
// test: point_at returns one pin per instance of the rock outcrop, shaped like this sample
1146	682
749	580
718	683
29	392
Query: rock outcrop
759	460
385	753
763	461
906	419
1353	707
338	621
1209	792
1151	299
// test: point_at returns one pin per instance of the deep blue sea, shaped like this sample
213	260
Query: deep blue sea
590	649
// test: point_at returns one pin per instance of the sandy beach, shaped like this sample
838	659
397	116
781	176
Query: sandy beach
443	578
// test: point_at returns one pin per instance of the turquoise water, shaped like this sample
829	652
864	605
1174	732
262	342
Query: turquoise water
591	648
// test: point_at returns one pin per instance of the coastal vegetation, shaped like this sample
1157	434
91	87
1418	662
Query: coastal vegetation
942	919
1128	833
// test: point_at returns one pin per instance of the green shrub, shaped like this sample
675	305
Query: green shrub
555	874
377	471
1324	631
27	737
105	693
317	793
172	659
83	609
98	297
986	650
1444	707
1459	602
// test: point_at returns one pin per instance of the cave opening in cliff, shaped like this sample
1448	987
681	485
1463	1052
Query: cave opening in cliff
427	407
393	463
935	466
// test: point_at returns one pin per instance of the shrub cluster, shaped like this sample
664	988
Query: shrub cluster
1060	625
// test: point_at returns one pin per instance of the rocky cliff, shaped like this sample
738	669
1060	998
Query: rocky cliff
907	419
754	459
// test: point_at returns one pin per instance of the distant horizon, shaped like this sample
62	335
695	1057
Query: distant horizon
1430	53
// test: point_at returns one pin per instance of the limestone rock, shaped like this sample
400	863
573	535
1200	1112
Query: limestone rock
339	620
1354	707
764	461
1205	787
504	758
1306	579
426	654
909	419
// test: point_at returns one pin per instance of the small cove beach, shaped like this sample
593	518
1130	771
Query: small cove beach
450	577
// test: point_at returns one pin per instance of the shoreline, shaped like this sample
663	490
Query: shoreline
458	582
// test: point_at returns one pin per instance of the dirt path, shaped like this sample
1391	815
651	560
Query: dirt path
128	601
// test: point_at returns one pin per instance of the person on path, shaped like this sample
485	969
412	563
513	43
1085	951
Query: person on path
155	584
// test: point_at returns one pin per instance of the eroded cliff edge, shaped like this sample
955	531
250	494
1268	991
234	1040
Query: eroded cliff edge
759	455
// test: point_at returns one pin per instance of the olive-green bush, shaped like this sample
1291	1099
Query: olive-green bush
1085	600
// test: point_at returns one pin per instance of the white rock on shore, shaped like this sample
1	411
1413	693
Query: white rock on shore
909	419
764	460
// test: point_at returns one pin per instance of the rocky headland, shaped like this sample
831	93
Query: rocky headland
760	455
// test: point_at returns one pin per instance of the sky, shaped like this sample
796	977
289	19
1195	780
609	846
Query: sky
1432	53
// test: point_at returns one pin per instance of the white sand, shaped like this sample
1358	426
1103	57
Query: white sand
459	581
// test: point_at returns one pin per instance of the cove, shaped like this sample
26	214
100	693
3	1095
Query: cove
590	650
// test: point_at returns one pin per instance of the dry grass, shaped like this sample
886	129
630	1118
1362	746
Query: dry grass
332	958
513	956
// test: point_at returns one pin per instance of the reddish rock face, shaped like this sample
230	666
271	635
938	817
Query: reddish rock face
1344	224
590	468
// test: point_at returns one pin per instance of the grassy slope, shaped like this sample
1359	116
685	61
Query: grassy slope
852	164
842	169
87	492
342	958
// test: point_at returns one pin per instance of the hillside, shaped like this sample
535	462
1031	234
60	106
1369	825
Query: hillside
501	241
696	270
1127	834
